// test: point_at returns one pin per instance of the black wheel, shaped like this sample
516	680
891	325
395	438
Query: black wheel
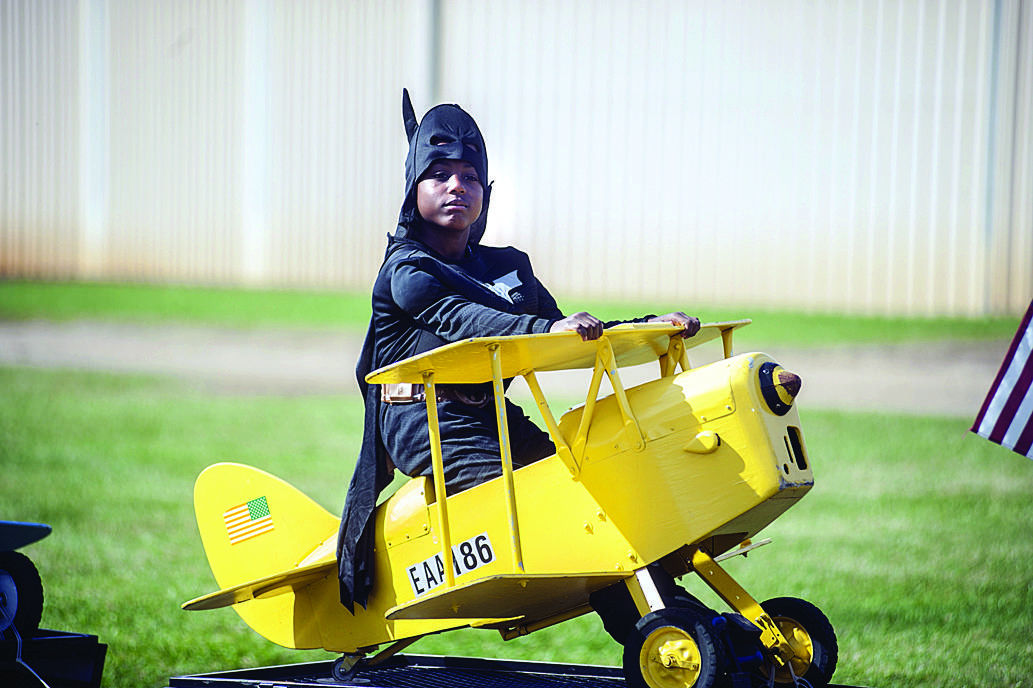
21	594
672	648
810	635
346	666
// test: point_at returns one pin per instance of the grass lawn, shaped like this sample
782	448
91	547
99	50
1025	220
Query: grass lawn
915	540
350	311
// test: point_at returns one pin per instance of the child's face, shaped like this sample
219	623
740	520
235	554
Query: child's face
449	194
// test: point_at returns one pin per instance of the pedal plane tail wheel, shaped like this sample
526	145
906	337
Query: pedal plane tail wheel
812	638
346	666
672	648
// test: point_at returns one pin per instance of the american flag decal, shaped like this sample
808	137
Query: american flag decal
1007	414
248	520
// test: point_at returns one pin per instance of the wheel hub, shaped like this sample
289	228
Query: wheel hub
670	658
803	649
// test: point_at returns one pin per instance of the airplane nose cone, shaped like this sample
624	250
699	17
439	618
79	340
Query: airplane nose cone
790	383
779	387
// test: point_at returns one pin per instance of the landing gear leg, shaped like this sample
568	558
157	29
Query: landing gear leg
799	643
348	665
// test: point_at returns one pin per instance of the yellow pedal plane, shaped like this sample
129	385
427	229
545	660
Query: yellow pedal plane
647	484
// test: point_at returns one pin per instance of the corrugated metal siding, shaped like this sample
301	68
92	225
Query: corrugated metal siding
872	156
335	144
174	142
1019	287
38	138
833	155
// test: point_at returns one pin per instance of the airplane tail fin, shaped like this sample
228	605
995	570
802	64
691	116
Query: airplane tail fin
254	525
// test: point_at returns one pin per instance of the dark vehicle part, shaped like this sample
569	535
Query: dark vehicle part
21	594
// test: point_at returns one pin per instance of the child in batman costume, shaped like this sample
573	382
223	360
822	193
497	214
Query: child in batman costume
423	299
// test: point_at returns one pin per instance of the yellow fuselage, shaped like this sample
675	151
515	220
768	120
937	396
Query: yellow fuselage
707	462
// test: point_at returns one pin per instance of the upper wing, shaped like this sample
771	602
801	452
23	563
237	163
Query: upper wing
469	361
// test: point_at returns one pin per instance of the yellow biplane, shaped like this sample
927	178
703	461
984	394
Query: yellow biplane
647	484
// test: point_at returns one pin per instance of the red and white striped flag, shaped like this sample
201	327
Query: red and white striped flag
1007	414
248	520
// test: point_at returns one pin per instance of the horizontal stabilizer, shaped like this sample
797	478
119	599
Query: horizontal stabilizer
263	588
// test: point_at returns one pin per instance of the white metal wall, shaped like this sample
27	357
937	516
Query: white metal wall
861	155
250	141
858	155
39	186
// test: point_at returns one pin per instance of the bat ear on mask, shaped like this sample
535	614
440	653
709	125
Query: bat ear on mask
408	116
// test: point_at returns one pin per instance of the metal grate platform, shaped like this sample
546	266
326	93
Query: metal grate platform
417	671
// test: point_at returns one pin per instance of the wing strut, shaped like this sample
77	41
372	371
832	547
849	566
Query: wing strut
562	448
438	466
631	426
507	456
676	355
581	436
606	363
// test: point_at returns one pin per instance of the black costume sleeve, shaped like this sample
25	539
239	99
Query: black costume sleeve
452	316
547	306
